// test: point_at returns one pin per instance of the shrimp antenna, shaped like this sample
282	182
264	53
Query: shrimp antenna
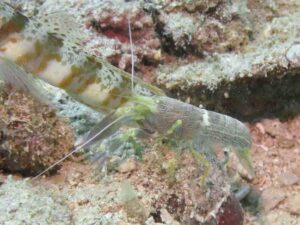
89	139
132	58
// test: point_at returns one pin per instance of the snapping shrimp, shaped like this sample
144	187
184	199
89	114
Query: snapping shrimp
48	52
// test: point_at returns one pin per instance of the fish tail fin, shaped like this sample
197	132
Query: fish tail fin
11	18
19	79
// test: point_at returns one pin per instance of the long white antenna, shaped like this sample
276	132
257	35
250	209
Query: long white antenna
78	147
132	58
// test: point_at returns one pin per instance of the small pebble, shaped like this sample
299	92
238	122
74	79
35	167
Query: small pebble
288	178
167	218
297	171
278	217
293	204
261	128
128	166
271	197
293	54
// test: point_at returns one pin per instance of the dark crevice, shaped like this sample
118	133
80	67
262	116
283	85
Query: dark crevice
167	42
251	98
156	216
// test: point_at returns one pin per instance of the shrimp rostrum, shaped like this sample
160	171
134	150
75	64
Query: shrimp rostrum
46	48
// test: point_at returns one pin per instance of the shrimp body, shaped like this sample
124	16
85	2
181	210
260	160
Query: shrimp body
190	124
50	55
202	127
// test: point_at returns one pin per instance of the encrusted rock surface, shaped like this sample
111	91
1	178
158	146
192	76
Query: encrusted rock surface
235	57
262	80
194	194
199	27
110	21
32	136
275	153
22	203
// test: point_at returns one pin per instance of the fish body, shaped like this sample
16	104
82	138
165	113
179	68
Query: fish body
50	55
45	52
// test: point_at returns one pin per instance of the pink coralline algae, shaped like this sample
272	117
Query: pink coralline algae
112	22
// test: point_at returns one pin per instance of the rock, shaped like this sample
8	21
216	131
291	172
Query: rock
128	166
2	178
167	218
185	5
33	136
293	55
111	39
238	57
194	197
279	217
261	128
230	212
296	171
230	82
194	32
23	203
288	178
151	221
271	197
273	127
293	204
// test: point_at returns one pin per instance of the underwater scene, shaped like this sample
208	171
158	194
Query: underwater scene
154	112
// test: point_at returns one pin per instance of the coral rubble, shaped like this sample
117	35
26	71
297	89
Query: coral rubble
32	136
